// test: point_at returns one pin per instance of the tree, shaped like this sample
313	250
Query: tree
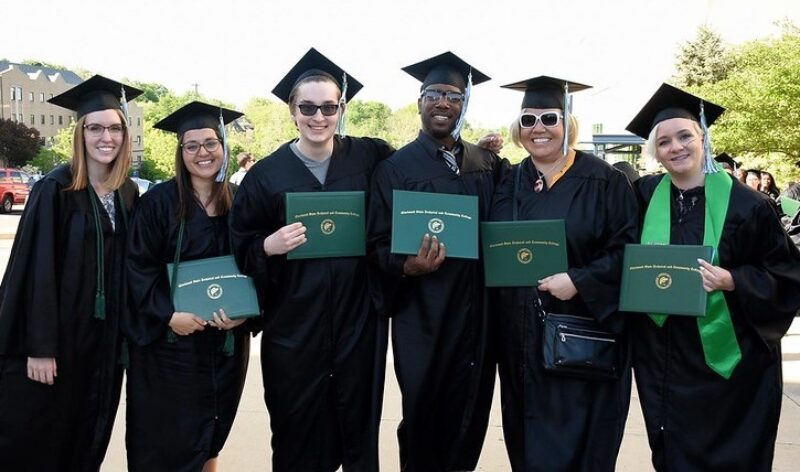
762	97
367	118
703	60
18	143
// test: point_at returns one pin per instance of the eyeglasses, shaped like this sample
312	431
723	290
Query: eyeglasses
193	147
434	95
548	119
96	130
309	109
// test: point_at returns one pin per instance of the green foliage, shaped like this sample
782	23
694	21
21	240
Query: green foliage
762	96
152	91
404	125
47	159
18	143
35	63
703	60
367	118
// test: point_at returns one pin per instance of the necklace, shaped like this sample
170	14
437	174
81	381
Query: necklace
684	207
538	185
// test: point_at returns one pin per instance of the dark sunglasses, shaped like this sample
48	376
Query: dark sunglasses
434	95
548	119
308	109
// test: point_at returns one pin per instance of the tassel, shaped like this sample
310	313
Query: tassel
460	123
341	124
124	354
172	338
224	169
567	111
123	102
709	165
227	346
99	305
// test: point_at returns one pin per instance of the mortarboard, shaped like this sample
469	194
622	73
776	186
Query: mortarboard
314	63
96	94
545	92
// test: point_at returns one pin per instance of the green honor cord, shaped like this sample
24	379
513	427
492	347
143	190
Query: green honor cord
100	293
720	347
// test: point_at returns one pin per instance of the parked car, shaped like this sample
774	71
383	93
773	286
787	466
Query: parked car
14	188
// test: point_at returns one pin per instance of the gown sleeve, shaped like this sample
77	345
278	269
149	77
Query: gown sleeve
767	283
248	226
30	289
151	307
598	281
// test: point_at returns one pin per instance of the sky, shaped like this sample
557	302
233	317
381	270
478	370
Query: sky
236	50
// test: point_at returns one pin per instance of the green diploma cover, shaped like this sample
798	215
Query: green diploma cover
789	206
664	279
453	219
206	285
519	253
334	223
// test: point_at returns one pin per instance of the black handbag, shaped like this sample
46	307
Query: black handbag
578	346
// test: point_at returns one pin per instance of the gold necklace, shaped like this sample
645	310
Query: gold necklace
538	185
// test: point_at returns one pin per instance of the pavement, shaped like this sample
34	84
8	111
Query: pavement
247	448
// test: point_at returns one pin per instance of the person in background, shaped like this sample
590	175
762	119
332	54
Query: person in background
768	186
323	347
710	387
245	161
63	293
186	375
555	423
740	174
440	335
727	163
626	168
753	179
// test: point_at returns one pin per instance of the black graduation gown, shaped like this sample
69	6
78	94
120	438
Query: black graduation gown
323	347
697	420
181	396
553	423
440	334
47	310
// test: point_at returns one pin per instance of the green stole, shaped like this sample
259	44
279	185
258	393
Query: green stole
720	347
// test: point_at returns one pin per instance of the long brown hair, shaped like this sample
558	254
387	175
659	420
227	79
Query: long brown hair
119	167
220	194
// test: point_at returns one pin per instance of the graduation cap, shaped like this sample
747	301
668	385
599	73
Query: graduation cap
727	159
448	69
199	115
670	102
549	92
315	63
96	94
545	92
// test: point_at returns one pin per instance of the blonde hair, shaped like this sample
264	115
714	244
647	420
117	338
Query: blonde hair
649	148
119	166
311	78
572	139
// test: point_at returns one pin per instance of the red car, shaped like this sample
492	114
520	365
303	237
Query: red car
14	188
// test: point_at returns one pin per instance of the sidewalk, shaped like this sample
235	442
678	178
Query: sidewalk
247	448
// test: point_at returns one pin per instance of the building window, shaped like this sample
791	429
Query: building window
33	120
30	96
60	120
138	140
138	121
42	120
19	98
41	97
13	93
52	120
51	95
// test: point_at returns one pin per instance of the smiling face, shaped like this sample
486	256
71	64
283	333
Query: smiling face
542	143
102	149
202	165
439	117
317	129
679	147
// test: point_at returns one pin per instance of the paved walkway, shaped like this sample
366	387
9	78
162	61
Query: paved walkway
247	447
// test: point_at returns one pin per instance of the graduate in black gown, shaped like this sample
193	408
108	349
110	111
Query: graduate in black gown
552	422
186	376
710	387
323	347
440	335
62	295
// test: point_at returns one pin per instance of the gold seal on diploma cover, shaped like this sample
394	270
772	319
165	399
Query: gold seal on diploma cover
214	291
663	280
435	225
525	256
327	226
